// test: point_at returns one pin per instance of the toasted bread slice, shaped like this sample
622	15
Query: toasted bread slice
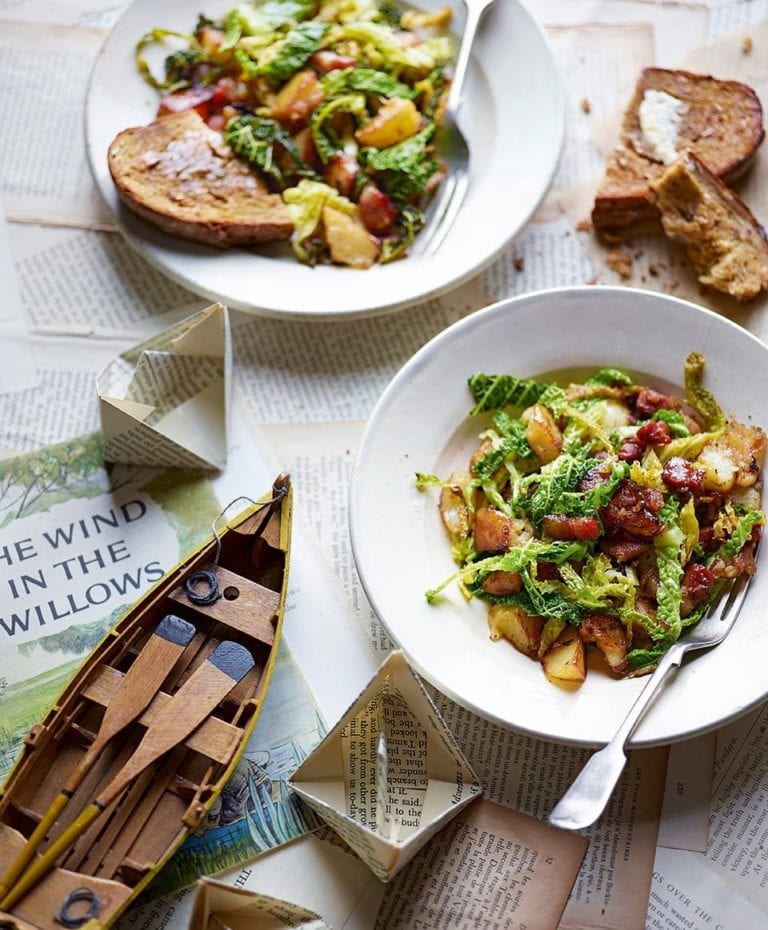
725	243
721	122
179	174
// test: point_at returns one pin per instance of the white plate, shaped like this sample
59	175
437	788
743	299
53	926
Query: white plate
514	118
421	424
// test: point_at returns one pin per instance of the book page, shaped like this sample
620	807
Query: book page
684	817
489	869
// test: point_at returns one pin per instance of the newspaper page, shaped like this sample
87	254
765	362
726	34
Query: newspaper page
45	177
78	282
17	370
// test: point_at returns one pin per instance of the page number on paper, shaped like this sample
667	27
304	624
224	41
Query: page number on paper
549	860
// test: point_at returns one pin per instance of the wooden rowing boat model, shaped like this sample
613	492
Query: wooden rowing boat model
134	752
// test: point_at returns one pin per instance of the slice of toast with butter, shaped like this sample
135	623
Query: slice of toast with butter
180	175
721	122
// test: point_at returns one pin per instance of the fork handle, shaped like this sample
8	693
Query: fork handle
587	797
474	13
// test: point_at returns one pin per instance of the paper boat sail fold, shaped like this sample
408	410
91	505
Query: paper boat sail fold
165	401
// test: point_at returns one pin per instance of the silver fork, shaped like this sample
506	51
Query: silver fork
451	142
587	797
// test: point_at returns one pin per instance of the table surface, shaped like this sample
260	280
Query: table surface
74	295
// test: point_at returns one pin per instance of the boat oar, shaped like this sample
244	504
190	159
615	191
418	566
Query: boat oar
133	695
175	721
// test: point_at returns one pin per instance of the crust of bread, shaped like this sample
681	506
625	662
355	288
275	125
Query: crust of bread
722	126
177	173
724	242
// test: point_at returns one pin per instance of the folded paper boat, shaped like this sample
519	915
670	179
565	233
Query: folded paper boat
164	402
390	774
219	906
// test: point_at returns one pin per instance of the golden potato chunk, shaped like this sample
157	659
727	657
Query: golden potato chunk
349	241
514	624
397	119
453	508
565	660
297	98
735	459
542	433
494	531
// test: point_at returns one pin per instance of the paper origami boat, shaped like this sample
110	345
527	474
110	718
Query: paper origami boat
219	907
164	402
390	774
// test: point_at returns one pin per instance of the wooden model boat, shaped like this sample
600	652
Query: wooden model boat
134	752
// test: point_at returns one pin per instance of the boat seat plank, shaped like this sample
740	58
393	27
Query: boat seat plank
251	611
39	907
214	738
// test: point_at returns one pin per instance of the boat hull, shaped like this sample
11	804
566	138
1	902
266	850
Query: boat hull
246	564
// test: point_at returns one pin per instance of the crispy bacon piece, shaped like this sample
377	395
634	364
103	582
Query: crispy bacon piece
633	509
377	211
547	571
341	172
494	531
622	548
695	587
649	401
502	583
649	580
609	635
630	450
707	539
680	475
325	60
654	433
561	526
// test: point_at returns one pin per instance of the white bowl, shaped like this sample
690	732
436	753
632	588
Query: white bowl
421	424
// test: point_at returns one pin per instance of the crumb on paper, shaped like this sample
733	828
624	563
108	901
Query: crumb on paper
584	226
592	280
519	263
620	261
746	45
653	270
586	106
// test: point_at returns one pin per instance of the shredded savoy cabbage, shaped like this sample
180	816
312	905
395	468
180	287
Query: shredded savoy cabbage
603	513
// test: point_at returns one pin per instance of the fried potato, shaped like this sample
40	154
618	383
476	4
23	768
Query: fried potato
514	624
565	660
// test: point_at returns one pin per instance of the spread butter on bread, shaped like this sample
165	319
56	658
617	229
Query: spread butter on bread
180	175
725	243
721	122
